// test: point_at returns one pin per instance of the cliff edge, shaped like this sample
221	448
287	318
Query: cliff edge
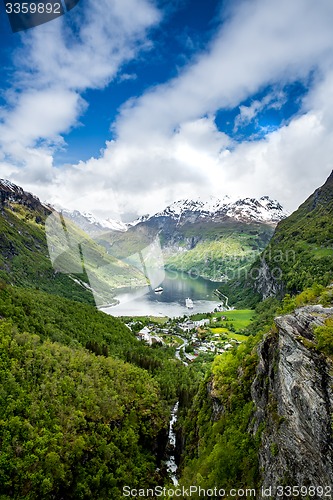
293	395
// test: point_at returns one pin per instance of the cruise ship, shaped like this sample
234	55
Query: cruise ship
189	303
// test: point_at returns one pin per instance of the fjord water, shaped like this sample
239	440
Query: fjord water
171	302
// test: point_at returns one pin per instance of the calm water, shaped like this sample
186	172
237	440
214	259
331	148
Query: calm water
176	288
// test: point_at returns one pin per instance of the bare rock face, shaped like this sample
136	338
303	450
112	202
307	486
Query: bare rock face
217	406
266	282
10	193
293	395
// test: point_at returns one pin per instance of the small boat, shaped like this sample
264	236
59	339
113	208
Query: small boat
189	303
159	289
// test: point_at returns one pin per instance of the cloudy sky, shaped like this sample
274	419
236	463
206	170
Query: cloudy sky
123	106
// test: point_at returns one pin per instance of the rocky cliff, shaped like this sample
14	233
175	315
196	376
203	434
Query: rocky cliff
267	281
292	392
301	249
11	194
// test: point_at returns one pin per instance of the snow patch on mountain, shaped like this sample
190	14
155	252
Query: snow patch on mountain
247	209
114	225
91	223
210	206
142	218
10	186
263	210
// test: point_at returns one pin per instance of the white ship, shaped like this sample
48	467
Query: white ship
189	303
159	289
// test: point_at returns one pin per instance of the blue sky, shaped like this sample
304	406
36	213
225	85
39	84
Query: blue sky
186	27
123	106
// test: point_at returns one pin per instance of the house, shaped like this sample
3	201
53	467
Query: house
147	336
144	330
190	357
202	322
203	349
187	326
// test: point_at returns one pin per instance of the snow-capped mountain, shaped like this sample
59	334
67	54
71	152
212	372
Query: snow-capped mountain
262	210
92	224
10	192
248	210
9	186
212	238
142	218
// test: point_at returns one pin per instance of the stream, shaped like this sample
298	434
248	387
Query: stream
171	463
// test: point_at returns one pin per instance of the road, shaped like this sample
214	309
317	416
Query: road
184	344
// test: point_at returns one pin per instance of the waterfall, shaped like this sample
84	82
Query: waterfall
171	463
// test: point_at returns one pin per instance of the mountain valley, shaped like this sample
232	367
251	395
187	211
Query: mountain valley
85	405
217	239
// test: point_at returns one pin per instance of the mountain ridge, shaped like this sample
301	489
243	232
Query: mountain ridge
214	239
262	210
209	238
11	193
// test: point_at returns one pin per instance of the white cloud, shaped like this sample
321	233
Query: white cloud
288	164
167	145
264	41
274	100
41	114
106	35
56	63
147	178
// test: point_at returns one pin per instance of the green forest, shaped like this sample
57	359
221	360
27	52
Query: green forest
85	407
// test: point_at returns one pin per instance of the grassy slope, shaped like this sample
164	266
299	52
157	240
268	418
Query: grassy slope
224	250
219	249
24	259
240	318
299	254
302	245
216	260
